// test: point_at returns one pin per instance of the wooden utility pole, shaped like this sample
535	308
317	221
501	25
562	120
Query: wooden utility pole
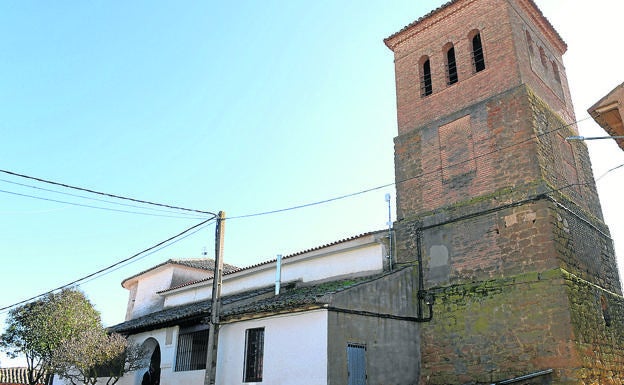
213	332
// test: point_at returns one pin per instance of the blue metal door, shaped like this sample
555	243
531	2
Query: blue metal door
356	364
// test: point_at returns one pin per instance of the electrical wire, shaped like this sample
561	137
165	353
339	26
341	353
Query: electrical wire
155	247
95	207
114	265
312	203
608	171
437	170
149	253
103	193
96	199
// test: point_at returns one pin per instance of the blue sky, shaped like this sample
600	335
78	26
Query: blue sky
243	106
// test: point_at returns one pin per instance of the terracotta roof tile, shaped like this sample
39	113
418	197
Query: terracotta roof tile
531	3
196	263
237	269
250	302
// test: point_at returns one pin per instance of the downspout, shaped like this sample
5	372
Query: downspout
278	274
423	296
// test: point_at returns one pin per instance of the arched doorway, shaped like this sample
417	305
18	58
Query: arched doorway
151	374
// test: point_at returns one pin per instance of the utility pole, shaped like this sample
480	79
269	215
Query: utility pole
213	332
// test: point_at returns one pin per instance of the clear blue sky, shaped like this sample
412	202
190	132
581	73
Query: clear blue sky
244	107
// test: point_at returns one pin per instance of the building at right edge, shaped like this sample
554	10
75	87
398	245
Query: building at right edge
497	208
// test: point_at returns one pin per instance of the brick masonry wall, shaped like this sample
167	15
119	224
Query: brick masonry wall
503	26
551	85
494	151
454	27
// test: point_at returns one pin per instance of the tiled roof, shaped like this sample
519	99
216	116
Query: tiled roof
413	23
225	272
196	263
13	376
444	6
250	302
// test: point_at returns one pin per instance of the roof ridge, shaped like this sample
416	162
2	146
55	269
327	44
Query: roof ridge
238	269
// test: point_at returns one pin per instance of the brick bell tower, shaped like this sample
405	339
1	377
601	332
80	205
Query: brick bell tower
501	212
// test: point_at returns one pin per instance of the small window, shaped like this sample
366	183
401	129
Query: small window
356	364
543	56
478	60
192	349
556	72
451	66
529	43
426	87
254	354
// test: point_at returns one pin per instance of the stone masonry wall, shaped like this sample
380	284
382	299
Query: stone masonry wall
499	329
598	321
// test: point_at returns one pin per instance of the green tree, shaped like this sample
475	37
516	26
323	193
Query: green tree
37	329
95	354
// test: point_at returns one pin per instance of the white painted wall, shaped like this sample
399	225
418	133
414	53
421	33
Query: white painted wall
147	299
295	350
357	257
144	297
168	346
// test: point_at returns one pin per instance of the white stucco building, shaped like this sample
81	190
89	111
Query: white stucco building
341	316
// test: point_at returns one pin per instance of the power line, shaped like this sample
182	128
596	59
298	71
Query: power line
103	193
134	256
197	229
312	203
437	170
92	199
94	207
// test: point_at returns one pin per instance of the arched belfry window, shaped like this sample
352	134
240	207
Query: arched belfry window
556	72
529	43
426	87
478	60
451	66
543	57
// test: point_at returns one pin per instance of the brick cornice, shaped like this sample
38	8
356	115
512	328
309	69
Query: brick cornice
531	9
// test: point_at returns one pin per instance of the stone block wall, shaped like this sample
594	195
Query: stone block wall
499	329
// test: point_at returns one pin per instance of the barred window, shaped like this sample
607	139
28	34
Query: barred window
254	355
478	60
192	349
426	87
451	66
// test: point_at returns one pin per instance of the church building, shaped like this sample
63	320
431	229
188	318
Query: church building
498	209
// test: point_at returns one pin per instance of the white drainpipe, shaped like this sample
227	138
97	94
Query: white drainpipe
278	274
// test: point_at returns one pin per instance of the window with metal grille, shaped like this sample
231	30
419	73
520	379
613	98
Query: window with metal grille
451	66
254	354
356	364
192	349
426	87
478	60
